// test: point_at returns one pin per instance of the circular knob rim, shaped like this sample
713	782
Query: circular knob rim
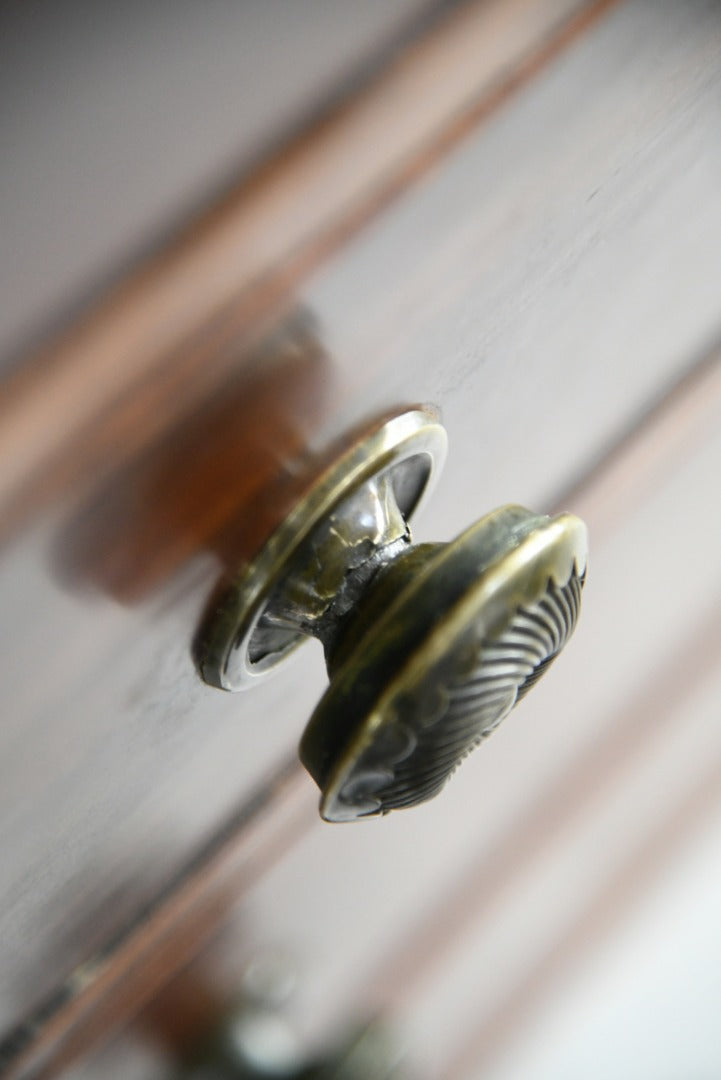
432	633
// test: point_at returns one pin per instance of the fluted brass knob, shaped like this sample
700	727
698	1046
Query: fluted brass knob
428	646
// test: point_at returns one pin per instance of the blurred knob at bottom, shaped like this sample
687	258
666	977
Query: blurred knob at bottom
428	646
256	1040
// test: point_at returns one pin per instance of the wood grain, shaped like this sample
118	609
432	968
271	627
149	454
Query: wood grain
528	281
653	855
250	253
218	888
144	118
163	937
570	782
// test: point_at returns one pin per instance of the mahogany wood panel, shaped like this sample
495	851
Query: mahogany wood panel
252	251
568	791
117	762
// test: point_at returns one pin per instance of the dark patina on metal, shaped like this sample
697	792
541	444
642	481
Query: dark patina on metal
428	647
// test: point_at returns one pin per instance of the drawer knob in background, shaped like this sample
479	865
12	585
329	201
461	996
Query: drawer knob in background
256	1038
428	646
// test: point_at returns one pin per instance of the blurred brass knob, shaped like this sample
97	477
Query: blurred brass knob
428	646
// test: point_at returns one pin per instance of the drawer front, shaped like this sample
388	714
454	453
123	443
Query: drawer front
547	274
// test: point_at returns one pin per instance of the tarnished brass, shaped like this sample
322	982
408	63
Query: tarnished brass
255	1039
428	647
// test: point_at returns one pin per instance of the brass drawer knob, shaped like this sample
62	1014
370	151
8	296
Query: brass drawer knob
428	646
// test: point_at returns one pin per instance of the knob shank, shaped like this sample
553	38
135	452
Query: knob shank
428	647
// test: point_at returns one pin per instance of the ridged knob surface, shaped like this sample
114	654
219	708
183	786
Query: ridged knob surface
428	646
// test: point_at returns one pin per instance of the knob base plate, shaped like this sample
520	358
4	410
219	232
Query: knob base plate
353	518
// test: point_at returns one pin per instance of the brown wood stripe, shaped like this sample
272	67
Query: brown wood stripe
245	259
638	872
109	991
112	986
672	429
668	435
644	719
674	426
